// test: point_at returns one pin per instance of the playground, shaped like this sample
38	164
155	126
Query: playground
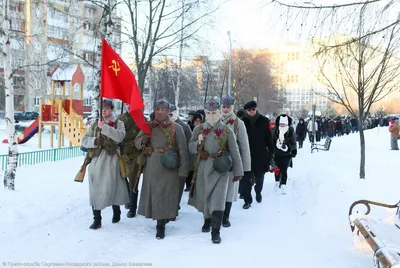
60	116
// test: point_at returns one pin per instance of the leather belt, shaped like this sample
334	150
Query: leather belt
204	155
150	150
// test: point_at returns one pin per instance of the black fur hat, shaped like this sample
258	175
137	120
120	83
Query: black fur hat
250	105
277	120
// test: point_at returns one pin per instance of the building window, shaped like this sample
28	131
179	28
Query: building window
292	56
89	57
37	101
87	101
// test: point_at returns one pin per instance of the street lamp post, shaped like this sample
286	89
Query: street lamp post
230	64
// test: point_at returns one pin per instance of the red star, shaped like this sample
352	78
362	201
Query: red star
161	102
218	132
211	104
226	100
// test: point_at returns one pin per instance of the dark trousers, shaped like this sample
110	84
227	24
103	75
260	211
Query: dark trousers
283	163
318	136
301	144
311	136
246	182
189	179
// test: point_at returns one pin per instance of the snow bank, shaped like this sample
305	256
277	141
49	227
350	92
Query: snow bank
48	216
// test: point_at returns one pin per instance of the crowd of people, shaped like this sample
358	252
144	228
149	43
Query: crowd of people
216	157
219	155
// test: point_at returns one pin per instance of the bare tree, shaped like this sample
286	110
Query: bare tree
368	70
365	61
157	26
252	80
9	175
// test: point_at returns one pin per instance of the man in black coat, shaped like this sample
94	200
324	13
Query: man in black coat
261	151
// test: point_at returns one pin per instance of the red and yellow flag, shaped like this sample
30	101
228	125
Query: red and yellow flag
119	82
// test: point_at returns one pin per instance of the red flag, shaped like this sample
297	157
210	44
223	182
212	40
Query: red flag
118	82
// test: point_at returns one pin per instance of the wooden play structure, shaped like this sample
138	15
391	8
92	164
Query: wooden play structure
63	111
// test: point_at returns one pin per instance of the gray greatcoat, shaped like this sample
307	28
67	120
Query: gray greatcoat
243	143
188	135
106	186
211	186
159	197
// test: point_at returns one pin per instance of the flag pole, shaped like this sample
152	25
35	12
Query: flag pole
101	108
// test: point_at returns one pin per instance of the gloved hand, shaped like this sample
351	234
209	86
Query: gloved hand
237	178
99	141
272	165
145	139
294	153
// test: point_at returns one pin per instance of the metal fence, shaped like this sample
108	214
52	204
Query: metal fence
36	157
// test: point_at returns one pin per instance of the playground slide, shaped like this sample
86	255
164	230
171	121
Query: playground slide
29	132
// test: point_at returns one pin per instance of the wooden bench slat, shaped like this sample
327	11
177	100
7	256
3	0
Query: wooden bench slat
382	239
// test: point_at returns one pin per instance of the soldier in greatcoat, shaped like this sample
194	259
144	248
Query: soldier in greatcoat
164	169
229	118
213	140
174	116
106	186
131	153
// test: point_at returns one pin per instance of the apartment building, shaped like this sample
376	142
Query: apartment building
297	78
49	34
302	78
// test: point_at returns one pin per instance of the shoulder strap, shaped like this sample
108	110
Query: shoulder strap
236	126
173	131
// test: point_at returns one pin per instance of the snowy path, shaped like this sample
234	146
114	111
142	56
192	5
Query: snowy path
47	217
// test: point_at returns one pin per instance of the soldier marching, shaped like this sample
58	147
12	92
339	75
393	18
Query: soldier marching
211	160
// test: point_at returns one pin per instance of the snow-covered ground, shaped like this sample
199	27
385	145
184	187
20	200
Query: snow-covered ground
47	218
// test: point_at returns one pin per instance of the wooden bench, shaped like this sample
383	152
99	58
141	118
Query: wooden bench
323	147
382	237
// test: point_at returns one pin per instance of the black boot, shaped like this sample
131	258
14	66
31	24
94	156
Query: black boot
97	219
161	229
127	205
116	214
225	218
206	226
216	221
133	204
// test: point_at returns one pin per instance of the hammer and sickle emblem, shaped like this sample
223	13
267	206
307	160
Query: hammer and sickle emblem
115	67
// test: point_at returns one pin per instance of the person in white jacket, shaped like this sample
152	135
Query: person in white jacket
310	130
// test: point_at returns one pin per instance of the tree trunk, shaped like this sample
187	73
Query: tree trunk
362	146
104	21
141	79
9	175
178	82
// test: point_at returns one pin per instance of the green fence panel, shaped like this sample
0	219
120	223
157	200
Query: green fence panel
36	157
